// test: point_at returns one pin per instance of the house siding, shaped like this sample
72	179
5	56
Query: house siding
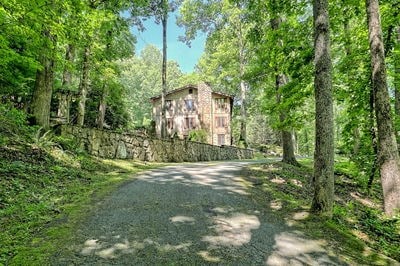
203	116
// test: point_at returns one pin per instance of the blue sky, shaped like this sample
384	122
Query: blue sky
186	57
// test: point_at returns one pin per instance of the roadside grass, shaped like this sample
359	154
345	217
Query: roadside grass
45	192
358	229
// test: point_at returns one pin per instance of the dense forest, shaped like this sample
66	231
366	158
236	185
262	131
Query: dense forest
310	78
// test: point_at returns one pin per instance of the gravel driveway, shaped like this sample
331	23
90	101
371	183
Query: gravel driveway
191	214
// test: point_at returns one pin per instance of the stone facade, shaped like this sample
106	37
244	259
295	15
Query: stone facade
203	114
112	145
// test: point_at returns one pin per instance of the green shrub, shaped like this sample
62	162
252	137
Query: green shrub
199	135
13	124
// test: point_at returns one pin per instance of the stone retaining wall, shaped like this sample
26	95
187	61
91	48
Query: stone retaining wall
112	145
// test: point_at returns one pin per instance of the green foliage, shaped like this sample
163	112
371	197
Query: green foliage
357	219
199	135
141	79
13	125
40	187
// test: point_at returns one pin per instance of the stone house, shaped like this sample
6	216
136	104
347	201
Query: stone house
195	107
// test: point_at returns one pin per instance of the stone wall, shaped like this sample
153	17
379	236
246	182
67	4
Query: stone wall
112	145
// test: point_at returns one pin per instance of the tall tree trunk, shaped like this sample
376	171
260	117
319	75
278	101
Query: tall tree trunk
323	180
288	155
83	87
243	88
387	147
397	79
43	90
281	80
164	70
102	108
373	138
65	98
243	114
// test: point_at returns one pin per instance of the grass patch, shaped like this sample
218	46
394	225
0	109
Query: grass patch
358	229
45	192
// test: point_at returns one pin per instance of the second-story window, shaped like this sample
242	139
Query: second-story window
220	121
190	123
168	105
189	105
221	105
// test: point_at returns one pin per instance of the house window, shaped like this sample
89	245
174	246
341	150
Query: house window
221	139
221	104
168	105
170	123
189	123
220	121
190	91
189	105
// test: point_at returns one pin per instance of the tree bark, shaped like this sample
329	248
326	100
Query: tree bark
397	74
373	138
65	98
288	155
388	155
243	89
243	114
323	180
164	70
83	87
102	108
43	90
281	80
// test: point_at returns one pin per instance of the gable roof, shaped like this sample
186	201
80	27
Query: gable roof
191	86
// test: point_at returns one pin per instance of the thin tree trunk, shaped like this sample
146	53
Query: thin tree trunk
243	88
323	180
281	80
373	139
308	152
288	155
243	113
102	108
397	74
64	102
164	71
43	90
387	147
83	87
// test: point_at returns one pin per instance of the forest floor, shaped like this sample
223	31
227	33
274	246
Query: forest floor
358	229
48	196
44	192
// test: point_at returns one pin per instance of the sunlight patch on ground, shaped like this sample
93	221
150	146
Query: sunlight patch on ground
232	231
276	205
111	251
207	257
90	246
363	201
278	180
300	215
222	210
292	248
220	179
296	182
168	247
182	219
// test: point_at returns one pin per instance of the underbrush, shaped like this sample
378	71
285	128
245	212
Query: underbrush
46	184
358	226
